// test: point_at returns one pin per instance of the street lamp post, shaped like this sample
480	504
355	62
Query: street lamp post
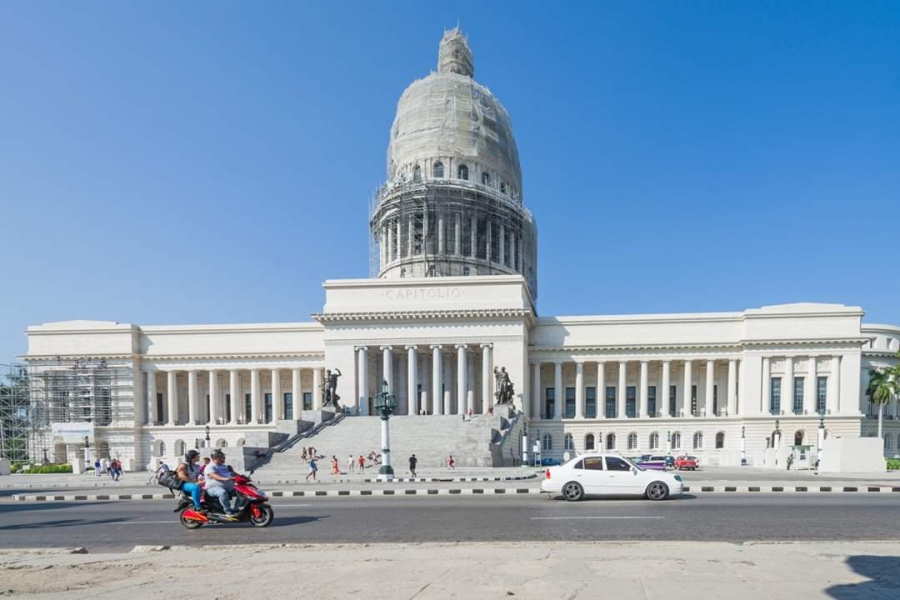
207	436
87	448
668	442
743	446
385	403
525	445
820	439
776	436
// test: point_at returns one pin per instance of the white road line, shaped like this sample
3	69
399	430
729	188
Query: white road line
593	517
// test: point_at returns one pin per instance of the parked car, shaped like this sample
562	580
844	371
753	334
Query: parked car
549	462
608	475
653	463
685	462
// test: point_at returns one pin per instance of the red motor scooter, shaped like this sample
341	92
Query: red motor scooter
250	504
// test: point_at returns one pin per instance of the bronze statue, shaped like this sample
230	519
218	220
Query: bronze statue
505	392
329	389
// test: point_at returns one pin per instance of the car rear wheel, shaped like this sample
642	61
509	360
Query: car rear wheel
573	492
657	491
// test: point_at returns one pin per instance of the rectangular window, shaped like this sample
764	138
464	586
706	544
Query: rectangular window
228	408
159	408
694	401
549	397
466	245
307	401
821	393
715	406
268	408
775	396
248	407
611	403
570	403
798	395
651	400
207	407
590	403
288	406
630	401
673	399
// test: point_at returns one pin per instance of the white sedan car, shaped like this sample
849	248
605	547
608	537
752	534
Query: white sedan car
609	475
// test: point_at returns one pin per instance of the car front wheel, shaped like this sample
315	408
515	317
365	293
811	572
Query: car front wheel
573	492
657	491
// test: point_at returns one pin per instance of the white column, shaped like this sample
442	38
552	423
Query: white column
473	240
834	386
255	392
601	390
402	395
470	382
810	388
390	242
362	381
710	382
663	396
296	393
277	400
686	394
767	386
317	389
622	403
412	236
423	361
234	388
732	388
579	390
787	386
645	401
457	245
436	374
490	236
412	380
502	245
192	397
557	391
536	391
487	378
462	386
387	368
172	397
151	398
384	247
399	238
213	397
448	383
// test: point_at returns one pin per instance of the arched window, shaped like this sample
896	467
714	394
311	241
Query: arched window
437	171
698	440
220	443
798	438
568	442
463	172
503	187
676	441
241	442
720	440
486	178
632	441
589	441
611	441
179	447
654	441
548	442
417	173
403	272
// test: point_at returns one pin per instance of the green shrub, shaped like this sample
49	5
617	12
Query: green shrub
49	469
893	464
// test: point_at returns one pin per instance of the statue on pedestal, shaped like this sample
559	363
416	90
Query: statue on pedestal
505	392
329	389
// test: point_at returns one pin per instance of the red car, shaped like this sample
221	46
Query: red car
686	462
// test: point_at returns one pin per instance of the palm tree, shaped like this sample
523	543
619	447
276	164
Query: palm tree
882	387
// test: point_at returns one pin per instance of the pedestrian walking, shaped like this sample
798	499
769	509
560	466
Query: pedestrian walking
313	469
413	461
335	465
362	463
97	468
351	463
303	456
451	464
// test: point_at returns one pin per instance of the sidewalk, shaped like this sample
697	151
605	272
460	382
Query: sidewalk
626	570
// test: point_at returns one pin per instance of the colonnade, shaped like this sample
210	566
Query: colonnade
227	391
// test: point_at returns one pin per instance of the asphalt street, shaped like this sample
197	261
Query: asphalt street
119	526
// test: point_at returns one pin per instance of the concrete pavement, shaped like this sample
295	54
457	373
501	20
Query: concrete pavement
671	570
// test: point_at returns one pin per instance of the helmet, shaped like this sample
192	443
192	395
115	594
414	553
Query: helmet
190	455
217	454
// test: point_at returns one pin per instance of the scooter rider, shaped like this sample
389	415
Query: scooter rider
189	473
219	482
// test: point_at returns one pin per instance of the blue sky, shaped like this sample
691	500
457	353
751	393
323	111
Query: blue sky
212	162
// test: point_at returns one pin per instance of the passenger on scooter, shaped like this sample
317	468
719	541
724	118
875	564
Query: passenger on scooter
219	482
189	473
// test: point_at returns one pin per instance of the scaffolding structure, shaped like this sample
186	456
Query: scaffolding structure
15	414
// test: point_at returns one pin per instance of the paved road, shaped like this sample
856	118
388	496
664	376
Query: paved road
121	525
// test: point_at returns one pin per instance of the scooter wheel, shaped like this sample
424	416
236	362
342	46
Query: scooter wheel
189	523
265	518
